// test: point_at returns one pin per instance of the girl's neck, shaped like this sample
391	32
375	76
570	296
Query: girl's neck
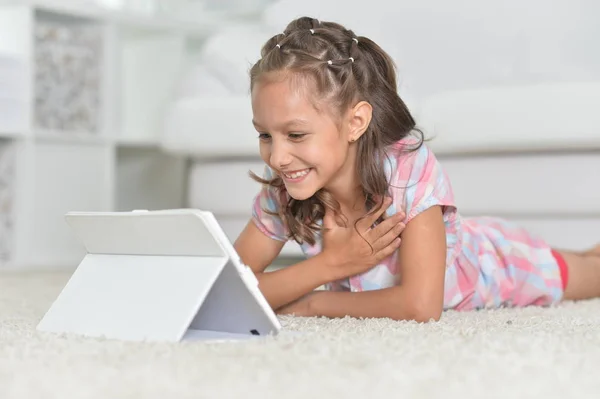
347	190
352	203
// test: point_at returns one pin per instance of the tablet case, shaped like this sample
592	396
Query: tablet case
166	275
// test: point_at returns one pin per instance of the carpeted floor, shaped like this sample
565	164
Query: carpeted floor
530	353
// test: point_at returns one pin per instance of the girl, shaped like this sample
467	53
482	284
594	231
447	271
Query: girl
348	176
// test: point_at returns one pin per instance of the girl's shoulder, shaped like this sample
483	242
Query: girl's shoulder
409	159
417	179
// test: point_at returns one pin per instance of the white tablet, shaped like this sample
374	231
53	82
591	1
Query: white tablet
158	276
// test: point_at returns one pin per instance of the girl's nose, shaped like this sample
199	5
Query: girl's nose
280	156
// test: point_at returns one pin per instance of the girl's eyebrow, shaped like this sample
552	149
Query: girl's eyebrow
292	122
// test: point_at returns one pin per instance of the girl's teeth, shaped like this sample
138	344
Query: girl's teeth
297	174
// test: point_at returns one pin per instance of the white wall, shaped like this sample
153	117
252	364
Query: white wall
444	45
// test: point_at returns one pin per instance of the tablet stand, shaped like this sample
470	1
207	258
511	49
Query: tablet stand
158	276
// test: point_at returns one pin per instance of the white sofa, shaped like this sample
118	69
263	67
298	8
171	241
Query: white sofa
517	132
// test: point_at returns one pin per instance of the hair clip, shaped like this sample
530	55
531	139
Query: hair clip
351	59
278	45
355	39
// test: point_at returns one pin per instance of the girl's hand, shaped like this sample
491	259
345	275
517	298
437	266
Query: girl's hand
349	253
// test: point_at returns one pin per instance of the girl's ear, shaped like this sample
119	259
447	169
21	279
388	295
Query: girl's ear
359	119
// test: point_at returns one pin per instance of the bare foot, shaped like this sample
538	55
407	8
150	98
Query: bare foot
593	252
584	275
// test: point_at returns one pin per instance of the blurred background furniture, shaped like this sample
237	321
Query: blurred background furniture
115	105
83	94
506	92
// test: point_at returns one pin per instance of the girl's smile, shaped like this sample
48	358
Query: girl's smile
295	176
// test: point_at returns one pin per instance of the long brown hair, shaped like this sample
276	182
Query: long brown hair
345	69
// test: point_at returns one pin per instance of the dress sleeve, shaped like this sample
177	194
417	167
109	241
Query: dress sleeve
269	199
424	182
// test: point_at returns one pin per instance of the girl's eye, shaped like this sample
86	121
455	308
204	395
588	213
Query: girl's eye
296	136
264	136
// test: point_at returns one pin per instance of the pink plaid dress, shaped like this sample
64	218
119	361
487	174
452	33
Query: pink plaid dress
490	262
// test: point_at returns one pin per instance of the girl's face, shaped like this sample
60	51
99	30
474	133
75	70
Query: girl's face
301	144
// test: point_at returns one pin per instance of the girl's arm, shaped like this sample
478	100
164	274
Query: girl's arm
420	295
282	286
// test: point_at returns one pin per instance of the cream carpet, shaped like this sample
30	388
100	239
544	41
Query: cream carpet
530	353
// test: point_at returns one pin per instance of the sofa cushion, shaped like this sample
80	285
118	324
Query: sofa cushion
541	117
212	127
538	117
